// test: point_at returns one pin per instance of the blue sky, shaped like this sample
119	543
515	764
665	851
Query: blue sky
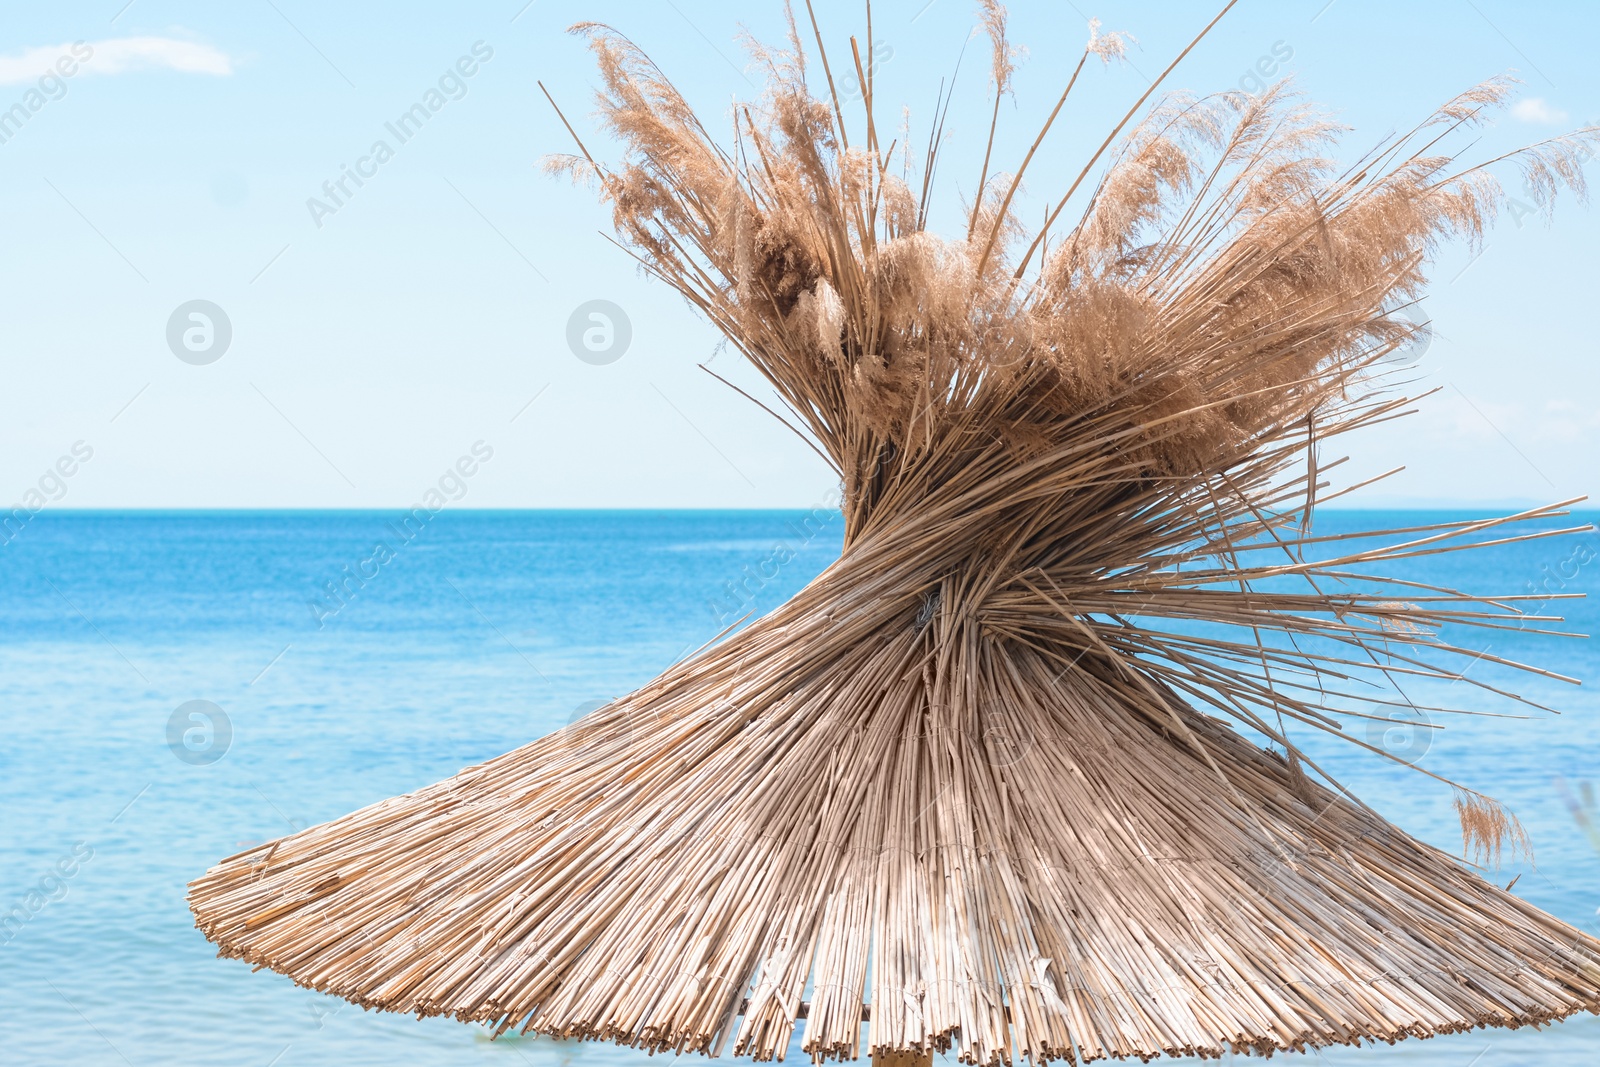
375	344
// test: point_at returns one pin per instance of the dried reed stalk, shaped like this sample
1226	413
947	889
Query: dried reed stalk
1016	773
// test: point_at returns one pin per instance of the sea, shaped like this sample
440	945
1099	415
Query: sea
177	686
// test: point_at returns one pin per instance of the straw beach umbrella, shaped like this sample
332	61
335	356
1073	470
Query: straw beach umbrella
1015	777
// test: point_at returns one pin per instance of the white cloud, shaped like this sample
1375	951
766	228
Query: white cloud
116	55
1535	110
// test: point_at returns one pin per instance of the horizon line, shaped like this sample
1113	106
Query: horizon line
1455	506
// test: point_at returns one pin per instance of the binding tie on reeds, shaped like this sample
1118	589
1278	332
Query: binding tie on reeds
1016	777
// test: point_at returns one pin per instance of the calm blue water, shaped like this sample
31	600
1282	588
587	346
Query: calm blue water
485	631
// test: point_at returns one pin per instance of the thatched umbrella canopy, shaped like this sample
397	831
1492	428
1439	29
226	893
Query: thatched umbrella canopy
1013	777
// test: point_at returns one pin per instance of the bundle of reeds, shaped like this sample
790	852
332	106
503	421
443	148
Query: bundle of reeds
1016	775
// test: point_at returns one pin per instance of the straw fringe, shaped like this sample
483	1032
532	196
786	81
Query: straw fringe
1060	870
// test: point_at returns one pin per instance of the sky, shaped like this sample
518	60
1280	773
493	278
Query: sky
353	346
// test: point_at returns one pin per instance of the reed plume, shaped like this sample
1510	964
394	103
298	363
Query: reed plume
1017	775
